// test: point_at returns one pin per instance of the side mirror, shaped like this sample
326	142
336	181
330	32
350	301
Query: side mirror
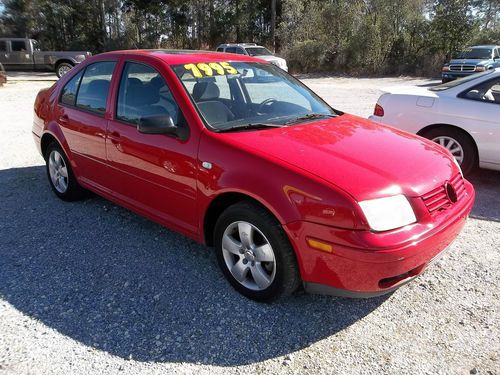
157	124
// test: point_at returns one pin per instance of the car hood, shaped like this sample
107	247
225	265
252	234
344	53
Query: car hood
469	61
365	159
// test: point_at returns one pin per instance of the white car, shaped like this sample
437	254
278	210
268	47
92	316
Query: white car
252	49
462	116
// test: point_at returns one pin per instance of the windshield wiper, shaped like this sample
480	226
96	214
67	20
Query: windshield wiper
256	125
310	116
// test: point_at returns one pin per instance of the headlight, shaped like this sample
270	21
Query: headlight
388	213
480	68
445	68
80	58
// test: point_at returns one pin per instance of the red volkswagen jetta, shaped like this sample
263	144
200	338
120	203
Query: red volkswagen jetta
234	152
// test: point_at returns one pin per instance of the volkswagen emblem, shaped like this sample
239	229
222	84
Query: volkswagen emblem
451	193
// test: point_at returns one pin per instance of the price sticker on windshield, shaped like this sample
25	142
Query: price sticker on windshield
201	70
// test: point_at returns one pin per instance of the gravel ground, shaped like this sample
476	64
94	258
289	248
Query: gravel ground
89	287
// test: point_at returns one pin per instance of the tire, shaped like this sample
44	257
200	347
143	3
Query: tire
63	68
445	80
265	252
60	175
451	138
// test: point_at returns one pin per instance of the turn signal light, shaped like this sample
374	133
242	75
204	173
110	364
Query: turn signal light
320	245
379	110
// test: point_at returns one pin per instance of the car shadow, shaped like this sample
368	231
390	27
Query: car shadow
487	205
16	75
432	83
116	282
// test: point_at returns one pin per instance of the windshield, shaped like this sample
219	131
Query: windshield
461	81
230	95
474	53
258	51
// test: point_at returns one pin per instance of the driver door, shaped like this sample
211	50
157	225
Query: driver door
152	173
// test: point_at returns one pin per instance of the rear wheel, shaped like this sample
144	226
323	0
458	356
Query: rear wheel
61	177
255	254
458	143
63	68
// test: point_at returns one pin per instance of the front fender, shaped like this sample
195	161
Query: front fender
290	193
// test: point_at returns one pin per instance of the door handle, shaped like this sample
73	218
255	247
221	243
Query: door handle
114	137
64	119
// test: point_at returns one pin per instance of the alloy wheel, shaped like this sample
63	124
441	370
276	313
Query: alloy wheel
248	255
58	171
452	145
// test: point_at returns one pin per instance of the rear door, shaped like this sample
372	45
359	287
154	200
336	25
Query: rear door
83	118
153	173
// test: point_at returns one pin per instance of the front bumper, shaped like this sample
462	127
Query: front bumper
367	264
455	75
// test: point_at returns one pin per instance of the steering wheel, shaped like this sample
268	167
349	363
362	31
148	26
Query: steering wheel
266	103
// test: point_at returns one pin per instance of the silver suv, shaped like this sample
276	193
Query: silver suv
253	49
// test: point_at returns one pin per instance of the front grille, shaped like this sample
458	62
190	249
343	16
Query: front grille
437	200
462	68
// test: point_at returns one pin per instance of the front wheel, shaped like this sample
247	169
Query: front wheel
255	254
458	143
63	68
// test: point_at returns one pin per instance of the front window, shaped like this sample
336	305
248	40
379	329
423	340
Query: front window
144	93
246	94
474	53
458	82
258	51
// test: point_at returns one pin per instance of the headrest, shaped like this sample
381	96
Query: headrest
140	94
98	87
205	91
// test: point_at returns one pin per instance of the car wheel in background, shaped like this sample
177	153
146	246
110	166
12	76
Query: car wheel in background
459	143
63	68
61	177
254	253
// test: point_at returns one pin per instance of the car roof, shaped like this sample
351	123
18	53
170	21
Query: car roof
485	46
15	39
239	45
174	57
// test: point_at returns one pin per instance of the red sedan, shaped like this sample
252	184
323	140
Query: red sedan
235	153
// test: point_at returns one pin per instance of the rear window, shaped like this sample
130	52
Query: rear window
18	45
68	95
461	81
94	87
